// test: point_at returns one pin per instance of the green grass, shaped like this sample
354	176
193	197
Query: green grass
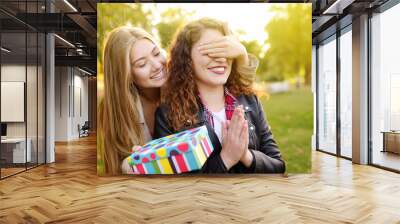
290	116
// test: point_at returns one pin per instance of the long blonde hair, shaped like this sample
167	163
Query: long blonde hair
118	115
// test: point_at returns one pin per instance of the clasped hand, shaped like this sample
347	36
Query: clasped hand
235	140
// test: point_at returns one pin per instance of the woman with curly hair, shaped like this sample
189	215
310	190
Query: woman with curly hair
206	87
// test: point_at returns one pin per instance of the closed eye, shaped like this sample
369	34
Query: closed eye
140	62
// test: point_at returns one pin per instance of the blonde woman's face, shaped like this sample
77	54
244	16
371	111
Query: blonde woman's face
208	70
148	64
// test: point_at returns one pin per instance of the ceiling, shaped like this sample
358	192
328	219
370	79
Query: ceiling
75	21
332	15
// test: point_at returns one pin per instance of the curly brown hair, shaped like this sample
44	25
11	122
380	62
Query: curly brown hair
181	96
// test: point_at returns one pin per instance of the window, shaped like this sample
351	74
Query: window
23	78
385	88
327	95
346	92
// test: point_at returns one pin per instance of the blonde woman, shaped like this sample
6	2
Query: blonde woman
134	72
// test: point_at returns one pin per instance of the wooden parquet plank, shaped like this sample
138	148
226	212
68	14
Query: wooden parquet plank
69	191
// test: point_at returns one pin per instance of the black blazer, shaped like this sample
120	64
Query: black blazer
266	154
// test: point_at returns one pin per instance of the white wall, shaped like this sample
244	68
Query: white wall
12	100
62	81
33	127
13	73
71	93
81	100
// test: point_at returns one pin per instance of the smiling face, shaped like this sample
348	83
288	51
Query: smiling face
148	64
210	71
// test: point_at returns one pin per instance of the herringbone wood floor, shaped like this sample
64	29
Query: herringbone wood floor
69	191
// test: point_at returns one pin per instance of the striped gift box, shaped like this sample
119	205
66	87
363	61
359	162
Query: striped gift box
178	153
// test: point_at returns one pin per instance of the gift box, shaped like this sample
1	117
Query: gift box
178	153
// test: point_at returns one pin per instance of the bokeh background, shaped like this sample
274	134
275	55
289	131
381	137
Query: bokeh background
278	34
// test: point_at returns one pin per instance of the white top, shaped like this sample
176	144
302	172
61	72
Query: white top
218	118
125	168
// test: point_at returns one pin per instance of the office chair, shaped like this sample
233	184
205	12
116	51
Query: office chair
84	130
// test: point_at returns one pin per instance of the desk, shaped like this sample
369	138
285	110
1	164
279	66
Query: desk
391	141
15	148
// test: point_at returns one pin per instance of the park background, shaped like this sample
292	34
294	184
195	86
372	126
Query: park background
278	34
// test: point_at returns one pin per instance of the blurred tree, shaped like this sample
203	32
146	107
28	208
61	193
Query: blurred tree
255	48
289	37
111	16
172	20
